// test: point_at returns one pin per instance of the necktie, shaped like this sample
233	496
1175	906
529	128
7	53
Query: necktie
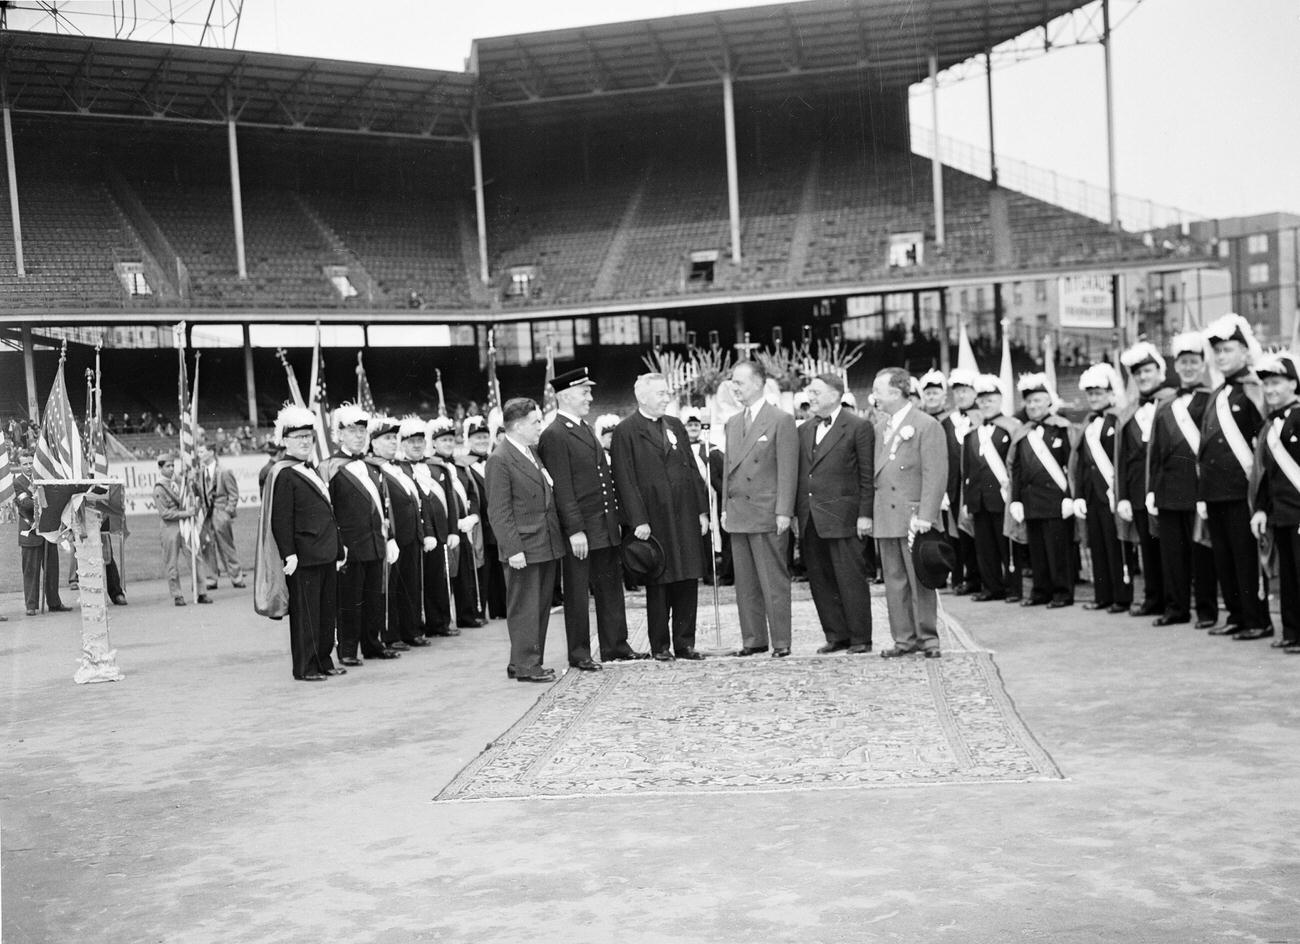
748	421
827	420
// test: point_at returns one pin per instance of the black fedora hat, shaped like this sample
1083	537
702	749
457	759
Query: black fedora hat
933	558
643	561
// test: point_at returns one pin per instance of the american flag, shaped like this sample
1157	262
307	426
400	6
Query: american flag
549	404
95	447
494	386
6	472
58	447
364	398
319	403
186	464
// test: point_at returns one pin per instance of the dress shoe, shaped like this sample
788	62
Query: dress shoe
60	609
585	665
1170	620
1012	598
630	656
204	598
780	653
545	677
178	601
1118	608
1256	632
983	597
73	585
238	584
417	642
1279	644
895	653
399	646
663	657
314	677
211	585
1032	602
1057	604
1292	649
335	671
119	600
350	660
832	647
1144	609
33	612
1096	606
749	650
1227	629
1205	623
962	589
385	654
471	623
933	654
690	655
449	631
858	649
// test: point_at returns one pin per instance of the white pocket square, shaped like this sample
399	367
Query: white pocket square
763	438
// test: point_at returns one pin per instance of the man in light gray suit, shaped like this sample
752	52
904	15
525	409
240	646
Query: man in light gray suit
911	478
760	474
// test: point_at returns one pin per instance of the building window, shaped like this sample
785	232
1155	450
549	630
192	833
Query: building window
1257	274
906	249
1225	248
979	299
703	263
619	329
1040	290
1259	301
1017	298
338	276
965	301
522	282
131	275
1257	244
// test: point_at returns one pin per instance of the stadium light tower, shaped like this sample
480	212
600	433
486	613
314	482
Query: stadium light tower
213	23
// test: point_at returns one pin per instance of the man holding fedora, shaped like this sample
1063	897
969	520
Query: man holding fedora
530	542
834	507
587	504
911	474
662	496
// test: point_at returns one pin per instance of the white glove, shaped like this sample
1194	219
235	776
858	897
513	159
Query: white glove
453	541
1067	508
945	504
393	552
1125	510
1258	524
430	543
1152	510
1017	512
290	565
1081	508
467	524
1203	511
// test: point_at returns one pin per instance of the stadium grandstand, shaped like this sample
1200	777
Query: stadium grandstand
612	187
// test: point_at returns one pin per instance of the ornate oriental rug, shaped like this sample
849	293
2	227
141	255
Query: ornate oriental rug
762	724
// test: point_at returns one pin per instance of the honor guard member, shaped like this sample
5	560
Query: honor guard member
604	427
529	538
1226	461
471	539
441	433
986	484
460	557
40	558
695	431
1185	555
1096	488
296	502
1041	495
168	502
1277	487
413	441
356	492
587	505
402	502
1133	443
957	424
491	578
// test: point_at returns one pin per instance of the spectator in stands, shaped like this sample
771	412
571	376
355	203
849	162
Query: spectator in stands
169	430
146	421
220	442
111	423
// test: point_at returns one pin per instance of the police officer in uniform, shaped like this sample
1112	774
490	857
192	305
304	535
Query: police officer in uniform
1276	498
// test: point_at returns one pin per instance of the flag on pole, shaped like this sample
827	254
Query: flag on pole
965	353
550	405
295	392
442	400
6	472
1049	361
364	398
494	387
319	403
186	462
96	448
58	446
1005	379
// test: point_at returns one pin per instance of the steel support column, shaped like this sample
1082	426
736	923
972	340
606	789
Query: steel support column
480	209
250	384
1110	116
936	165
236	198
733	183
29	373
988	84
12	170
945	356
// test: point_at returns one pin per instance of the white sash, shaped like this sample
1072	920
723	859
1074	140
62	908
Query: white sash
1099	457
1048	460
402	479
311	476
357	469
1145	415
428	484
1185	424
1283	458
961	424
1232	433
990	454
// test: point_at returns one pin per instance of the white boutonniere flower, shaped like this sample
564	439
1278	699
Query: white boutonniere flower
906	433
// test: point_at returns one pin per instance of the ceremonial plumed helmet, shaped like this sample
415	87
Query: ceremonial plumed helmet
1141	354
933	378
957	377
1099	377
291	419
349	414
1233	327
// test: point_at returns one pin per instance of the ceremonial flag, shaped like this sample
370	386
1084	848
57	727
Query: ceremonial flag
494	387
6	472
364	398
965	353
1005	380
442	400
1049	361
295	392
319	403
58	446
96	447
186	463
550	406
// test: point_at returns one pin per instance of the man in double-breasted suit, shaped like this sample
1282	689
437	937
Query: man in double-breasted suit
911	479
662	496
529	540
760	474
836	491
220	495
588	508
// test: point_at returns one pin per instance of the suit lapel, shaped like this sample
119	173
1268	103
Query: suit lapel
756	430
828	442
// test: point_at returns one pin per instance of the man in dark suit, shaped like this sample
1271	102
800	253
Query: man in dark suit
442	564
407	530
834	507
433	609
758	486
911	470
357	494
985	487
220	496
1185	554
662	496
491	578
957	424
306	538
1095	475
529	539
588	508
39	556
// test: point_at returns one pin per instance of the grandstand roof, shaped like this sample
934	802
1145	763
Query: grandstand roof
46	73
784	44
